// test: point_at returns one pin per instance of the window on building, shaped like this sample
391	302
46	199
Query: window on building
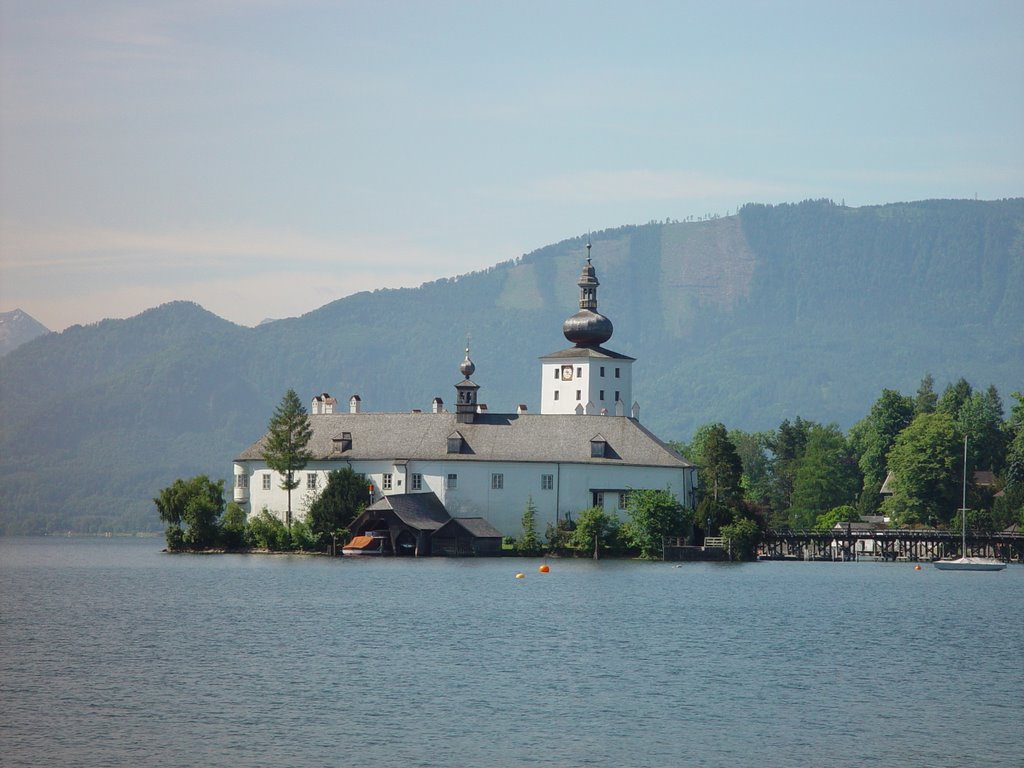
597	497
417	481
452	482
579	394
311	481
266	481
557	374
579	372
455	443
241	481
385	481
617	398
602	371
547	482
601	395
616	373
597	449
623	499
497	481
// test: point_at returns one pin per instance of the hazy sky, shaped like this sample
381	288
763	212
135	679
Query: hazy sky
264	158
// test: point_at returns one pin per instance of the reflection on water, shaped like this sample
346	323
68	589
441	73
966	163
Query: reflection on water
115	654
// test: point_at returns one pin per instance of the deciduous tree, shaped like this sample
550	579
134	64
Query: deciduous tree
926	465
826	477
873	436
196	504
653	515
595	527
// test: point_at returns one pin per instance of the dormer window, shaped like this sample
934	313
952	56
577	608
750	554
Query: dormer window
455	442
342	443
598	447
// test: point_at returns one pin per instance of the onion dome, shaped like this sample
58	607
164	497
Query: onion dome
588	327
466	366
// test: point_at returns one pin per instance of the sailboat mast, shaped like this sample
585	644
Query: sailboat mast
963	506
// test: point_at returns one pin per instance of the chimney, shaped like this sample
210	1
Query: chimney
437	405
635	411
521	409
353	404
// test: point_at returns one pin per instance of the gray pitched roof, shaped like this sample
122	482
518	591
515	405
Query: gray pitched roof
561	438
423	511
599	352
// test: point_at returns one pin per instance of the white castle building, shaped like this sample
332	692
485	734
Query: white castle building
585	448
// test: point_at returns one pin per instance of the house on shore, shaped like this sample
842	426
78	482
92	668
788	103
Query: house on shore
585	448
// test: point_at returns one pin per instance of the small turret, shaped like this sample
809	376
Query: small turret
466	391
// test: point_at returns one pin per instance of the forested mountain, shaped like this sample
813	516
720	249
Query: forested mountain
17	328
808	309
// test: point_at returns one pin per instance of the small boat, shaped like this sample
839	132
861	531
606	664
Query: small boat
372	543
964	563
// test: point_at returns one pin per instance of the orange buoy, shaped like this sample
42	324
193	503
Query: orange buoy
544	568
917	567
520	575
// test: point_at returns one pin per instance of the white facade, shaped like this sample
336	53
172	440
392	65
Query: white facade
496	490
597	383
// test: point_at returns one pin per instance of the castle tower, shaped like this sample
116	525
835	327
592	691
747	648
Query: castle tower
587	377
466	390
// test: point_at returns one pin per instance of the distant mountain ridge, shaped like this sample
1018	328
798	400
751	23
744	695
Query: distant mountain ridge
18	327
807	309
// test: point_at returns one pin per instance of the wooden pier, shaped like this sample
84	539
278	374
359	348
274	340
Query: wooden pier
888	544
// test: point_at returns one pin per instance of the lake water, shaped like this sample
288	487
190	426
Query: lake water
114	654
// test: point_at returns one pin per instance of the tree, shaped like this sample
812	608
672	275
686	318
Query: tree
926	465
926	400
752	448
594	528
787	445
873	436
845	513
232	526
341	502
1011	505
197	504
827	476
558	533
653	515
980	418
954	396
529	543
285	451
721	471
743	536
266	531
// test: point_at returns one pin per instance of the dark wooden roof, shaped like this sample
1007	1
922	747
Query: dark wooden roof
477	527
419	511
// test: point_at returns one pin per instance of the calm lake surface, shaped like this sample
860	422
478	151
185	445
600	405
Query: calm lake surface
114	654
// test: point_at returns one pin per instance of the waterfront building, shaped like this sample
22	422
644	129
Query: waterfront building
585	448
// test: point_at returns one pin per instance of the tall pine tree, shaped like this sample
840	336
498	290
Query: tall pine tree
285	450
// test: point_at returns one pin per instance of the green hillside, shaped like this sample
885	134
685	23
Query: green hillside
808	309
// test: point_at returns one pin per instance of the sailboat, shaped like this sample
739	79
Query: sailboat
965	563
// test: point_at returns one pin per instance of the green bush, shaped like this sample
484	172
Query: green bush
743	536
265	531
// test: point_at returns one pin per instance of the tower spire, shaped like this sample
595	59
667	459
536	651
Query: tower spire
588	328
